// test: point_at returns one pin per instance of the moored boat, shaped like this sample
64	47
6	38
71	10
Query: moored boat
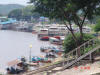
43	49
57	37
44	38
34	32
42	32
47	49
54	41
37	60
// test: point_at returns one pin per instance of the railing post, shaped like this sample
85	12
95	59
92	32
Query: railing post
72	54
92	43
63	61
91	57
79	51
67	61
76	53
84	46
88	43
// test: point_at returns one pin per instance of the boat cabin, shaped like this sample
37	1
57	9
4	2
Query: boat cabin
53	31
43	32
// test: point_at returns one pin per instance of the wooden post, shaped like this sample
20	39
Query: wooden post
76	53
83	47
92	43
88	43
63	61
91	58
68	61
48	73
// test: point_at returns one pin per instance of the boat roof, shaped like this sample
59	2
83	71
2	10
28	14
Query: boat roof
53	27
53	38
14	62
9	21
43	29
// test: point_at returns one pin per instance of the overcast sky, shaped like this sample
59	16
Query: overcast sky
23	2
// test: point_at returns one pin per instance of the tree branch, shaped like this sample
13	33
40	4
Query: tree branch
84	18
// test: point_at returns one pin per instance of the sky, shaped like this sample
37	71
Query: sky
23	2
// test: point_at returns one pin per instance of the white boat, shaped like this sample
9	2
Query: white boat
54	40
53	31
42	32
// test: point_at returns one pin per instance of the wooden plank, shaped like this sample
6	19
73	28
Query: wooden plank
81	57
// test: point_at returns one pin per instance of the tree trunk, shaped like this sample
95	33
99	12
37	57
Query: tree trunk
77	43
81	33
75	38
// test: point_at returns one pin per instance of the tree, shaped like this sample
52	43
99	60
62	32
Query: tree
97	26
68	11
69	43
17	13
24	13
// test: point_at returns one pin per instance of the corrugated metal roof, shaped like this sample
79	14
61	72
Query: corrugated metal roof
9	21
14	62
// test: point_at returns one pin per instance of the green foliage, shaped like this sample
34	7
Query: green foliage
71	11
65	9
27	10
6	8
17	13
97	26
70	44
87	49
24	13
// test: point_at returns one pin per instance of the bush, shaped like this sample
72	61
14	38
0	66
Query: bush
69	43
97	26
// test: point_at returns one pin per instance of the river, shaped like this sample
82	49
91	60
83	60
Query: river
14	44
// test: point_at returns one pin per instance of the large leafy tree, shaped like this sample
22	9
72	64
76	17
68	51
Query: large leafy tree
71	11
17	13
24	13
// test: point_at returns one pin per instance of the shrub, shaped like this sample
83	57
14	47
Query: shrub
69	43
97	26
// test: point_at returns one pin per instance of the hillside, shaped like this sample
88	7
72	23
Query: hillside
5	9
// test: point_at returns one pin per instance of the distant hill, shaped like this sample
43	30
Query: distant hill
6	8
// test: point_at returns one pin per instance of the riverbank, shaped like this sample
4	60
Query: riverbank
14	44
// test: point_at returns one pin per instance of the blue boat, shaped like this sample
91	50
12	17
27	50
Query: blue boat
36	59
